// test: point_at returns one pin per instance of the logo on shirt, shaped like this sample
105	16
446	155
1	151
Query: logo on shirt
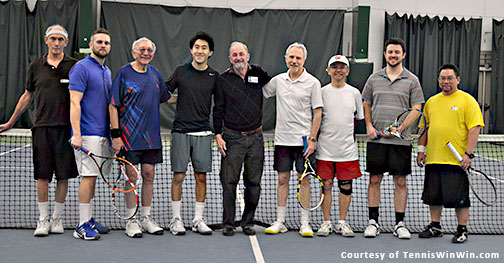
211	74
157	85
453	108
64	81
253	79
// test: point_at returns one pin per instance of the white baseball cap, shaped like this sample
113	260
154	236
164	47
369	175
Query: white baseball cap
338	58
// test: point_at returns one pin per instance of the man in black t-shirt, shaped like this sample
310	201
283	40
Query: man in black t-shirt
47	84
191	133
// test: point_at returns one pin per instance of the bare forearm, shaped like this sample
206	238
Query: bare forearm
317	118
114	117
368	119
472	139
22	105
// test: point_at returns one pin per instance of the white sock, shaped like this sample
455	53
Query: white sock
305	215
58	208
43	209
145	211
341	221
176	208
281	213
327	221
198	210
90	210
83	213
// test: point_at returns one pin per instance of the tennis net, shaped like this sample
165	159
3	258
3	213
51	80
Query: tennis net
19	198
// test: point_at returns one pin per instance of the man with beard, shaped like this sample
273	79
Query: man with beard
137	90
191	133
47	84
299	112
89	87
238	132
446	182
386	94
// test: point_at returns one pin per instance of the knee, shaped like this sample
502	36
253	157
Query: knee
148	177
200	178
400	181
375	180
283	179
345	187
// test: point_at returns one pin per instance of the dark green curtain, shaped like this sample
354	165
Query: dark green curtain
267	34
22	34
432	42
496	124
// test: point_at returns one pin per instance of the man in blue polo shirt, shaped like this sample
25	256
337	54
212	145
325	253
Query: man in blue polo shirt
90	82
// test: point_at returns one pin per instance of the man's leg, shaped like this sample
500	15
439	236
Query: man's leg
400	197
374	195
344	201
327	203
252	174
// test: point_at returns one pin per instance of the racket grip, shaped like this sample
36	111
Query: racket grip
82	148
378	133
305	143
452	149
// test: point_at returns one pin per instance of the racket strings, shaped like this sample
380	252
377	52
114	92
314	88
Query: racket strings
482	187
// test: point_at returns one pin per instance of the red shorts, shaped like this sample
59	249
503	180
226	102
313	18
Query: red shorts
343	170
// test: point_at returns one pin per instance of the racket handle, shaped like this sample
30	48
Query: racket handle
82	148
305	143
378	133
452	149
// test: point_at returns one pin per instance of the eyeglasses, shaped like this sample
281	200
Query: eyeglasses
450	78
142	50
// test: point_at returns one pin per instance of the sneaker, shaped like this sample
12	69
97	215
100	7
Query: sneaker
177	226
325	229
199	226
460	237
275	228
98	227
56	226
430	231
150	226
43	227
401	231
86	232
133	228
305	230
344	229
373	229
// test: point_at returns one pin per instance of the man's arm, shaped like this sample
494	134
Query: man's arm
117	143
317	118
370	129
472	140
75	117
422	142
218	117
21	107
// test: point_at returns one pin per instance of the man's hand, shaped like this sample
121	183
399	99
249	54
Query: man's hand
5	126
466	162
371	132
76	141
221	144
310	149
117	145
420	160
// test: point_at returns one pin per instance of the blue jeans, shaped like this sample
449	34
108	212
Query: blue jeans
249	151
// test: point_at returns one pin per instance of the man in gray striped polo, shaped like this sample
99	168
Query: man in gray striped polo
386	94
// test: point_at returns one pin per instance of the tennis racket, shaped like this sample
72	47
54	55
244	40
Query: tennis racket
481	185
408	122
116	178
310	188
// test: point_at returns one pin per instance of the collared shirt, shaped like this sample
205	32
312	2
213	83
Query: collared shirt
238	102
49	86
389	98
295	101
92	79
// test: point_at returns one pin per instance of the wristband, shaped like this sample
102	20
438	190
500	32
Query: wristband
115	133
421	148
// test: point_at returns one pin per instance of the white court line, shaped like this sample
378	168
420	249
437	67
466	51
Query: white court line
13	150
253	239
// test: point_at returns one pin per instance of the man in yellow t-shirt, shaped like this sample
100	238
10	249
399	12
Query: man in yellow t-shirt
452	116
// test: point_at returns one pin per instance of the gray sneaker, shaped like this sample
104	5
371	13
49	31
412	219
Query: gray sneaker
133	228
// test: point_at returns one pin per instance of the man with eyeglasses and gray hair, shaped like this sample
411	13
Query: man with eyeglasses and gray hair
137	90
299	113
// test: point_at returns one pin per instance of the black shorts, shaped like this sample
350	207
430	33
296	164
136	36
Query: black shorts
446	185
52	154
382	158
152	156
285	156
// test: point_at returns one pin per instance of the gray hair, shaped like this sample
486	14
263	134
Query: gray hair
50	28
135	44
238	43
298	45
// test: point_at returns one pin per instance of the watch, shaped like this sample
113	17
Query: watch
312	139
471	155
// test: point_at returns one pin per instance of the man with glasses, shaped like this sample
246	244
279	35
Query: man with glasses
137	90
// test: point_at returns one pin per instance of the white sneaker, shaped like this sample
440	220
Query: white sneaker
344	229
199	226
275	228
150	226
373	229
305	230
401	231
133	228
43	227
177	226
56	226
325	229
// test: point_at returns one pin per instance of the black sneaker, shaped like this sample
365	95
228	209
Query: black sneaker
460	237
430	231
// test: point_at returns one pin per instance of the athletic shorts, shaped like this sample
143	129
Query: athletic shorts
151	156
446	185
343	170
197	149
382	158
52	153
286	156
97	145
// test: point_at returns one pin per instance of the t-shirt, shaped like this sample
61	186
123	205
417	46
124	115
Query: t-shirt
390	98
342	106
449	119
194	101
295	101
92	79
49	86
138	95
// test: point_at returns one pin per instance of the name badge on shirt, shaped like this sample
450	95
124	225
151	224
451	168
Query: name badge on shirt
253	79
65	81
